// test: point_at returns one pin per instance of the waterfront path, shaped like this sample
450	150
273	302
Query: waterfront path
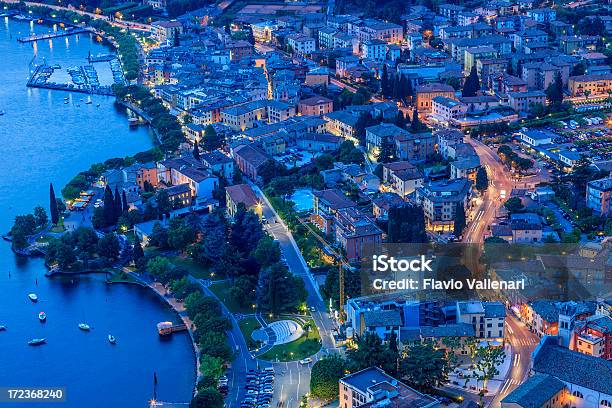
116	22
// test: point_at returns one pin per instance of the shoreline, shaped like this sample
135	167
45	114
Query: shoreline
112	45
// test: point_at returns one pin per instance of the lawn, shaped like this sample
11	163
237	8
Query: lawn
59	227
222	292
247	327
195	269
305	346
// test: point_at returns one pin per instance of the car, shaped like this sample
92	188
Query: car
306	361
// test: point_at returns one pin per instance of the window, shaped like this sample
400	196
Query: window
577	394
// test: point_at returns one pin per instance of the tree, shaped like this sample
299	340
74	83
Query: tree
41	216
554	91
246	231
196	151
372	352
86	240
109	207
386	153
196	304
487	361
513	204
417	125
164	206
125	207
117	205
267	252
215	344
212	245
108	246
158	266
211	140
53	205
482	180
384	81
138	252
406	224
180	234
159	236
324	377
424	367
472	83
243	290
207	398
460	222
278	290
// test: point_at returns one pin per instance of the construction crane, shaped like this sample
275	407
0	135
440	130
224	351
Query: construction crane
340	260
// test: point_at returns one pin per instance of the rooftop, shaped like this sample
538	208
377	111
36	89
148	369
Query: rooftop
535	392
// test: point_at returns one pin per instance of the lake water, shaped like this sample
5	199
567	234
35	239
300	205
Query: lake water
43	140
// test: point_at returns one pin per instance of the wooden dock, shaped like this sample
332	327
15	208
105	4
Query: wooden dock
47	36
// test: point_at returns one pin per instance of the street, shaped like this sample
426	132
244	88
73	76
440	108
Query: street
523	343
492	199
293	379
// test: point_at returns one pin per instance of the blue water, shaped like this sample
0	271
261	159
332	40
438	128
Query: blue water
303	199
43	140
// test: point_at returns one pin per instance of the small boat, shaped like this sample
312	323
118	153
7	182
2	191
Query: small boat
66	102
33	297
97	105
84	326
112	339
88	102
66	98
42	316
1	113
37	342
2	328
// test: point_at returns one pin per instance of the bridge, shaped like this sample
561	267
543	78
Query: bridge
47	36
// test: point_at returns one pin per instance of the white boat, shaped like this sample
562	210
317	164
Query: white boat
1	113
112	339
88	102
42	316
33	297
84	326
37	342
2	328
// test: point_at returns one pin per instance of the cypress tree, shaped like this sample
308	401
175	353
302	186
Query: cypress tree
397	90
124	202
472	83
384	81
53	205
459	225
117	206
109	206
482	180
138	253
416	124
196	151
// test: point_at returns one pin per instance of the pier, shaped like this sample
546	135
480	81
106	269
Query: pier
47	36
166	328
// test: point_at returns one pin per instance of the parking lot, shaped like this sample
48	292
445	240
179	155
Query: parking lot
259	388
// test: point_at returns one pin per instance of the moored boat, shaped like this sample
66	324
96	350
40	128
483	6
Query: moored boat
42	316
33	297
112	339
37	342
84	326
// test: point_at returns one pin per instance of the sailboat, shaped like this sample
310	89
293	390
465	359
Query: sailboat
37	342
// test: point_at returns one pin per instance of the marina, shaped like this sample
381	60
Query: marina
91	133
83	79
